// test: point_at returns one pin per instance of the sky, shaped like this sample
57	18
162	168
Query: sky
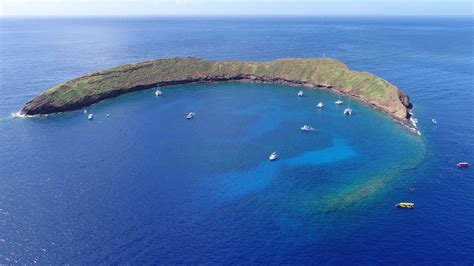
234	7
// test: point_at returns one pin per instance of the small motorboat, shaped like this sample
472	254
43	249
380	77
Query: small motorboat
408	205
273	156
108	115
463	164
90	116
434	122
307	128
300	93
158	93
338	102
320	105
190	115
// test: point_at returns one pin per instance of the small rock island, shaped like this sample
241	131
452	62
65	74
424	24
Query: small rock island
323	73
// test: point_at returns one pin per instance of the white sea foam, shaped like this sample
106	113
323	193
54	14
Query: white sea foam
17	115
20	115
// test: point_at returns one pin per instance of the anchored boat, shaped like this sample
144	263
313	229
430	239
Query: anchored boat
348	110
300	93
307	128
463	164
190	115
320	105
90	116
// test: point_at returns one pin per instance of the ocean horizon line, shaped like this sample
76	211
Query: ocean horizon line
233	16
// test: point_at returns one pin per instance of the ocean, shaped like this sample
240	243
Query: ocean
145	185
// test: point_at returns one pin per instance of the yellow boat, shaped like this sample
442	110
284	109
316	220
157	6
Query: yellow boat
408	205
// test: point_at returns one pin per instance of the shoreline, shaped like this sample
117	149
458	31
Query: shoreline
326	74
406	123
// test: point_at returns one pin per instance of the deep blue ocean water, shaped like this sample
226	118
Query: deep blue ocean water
145	185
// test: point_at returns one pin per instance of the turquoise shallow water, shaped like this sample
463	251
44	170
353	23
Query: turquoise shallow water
146	157
146	185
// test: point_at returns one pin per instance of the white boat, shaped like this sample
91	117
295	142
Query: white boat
85	111
158	93
190	115
108	115
300	93
307	128
339	102
348	110
320	105
434	121
273	156
90	116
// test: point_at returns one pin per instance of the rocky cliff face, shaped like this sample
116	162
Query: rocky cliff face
324	73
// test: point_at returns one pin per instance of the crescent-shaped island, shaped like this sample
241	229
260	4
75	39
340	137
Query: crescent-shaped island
323	73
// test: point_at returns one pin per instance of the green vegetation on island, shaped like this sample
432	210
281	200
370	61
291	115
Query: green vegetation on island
319	73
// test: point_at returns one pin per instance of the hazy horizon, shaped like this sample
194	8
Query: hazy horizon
88	8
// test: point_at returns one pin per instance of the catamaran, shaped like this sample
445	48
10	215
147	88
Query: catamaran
348	110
